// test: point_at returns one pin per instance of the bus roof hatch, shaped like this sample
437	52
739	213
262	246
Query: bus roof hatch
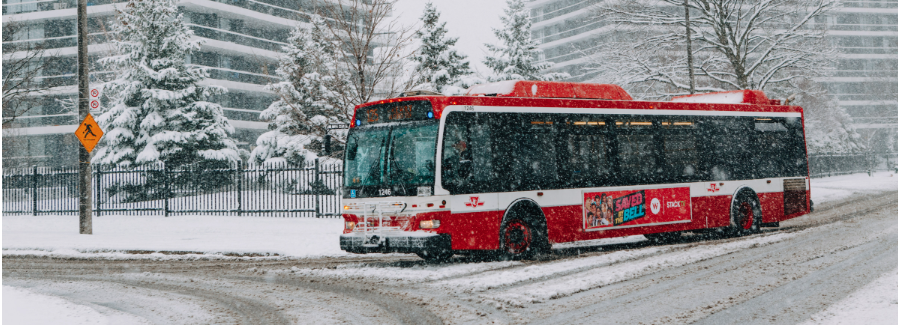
549	89
746	96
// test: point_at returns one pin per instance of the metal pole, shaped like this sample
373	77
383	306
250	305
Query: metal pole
167	179
315	188
239	172
85	206
33	190
97	190
689	49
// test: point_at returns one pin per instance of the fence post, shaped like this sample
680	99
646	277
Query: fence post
239	172
167	181
317	193
98	172
34	190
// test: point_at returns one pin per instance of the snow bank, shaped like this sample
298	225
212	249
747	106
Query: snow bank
876	303
293	237
21	306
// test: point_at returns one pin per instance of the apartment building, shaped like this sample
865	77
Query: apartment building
865	32
241	38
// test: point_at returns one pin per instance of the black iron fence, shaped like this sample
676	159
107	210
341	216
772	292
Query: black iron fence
272	190
833	164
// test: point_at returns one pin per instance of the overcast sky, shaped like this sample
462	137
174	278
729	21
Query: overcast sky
471	21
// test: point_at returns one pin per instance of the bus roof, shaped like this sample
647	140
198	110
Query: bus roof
585	95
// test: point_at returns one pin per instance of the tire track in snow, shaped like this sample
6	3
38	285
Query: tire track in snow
586	280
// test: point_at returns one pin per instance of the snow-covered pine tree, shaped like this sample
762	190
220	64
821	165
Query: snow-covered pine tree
304	106
439	64
159	112
515	59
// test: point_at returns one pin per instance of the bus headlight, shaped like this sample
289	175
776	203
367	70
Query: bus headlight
350	225
429	224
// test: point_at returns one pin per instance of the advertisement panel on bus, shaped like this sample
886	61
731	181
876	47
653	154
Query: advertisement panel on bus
635	208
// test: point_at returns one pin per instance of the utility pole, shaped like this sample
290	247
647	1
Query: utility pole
85	204
689	49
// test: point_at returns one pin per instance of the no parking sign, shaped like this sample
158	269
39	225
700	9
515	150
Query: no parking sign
94	98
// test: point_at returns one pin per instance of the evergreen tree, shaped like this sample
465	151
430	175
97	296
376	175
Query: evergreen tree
305	105
438	64
159	111
515	58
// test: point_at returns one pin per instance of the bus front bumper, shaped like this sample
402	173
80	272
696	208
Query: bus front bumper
395	242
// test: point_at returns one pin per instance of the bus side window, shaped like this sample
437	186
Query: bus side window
534	155
731	148
467	164
480	142
779	149
456	159
680	150
586	159
637	154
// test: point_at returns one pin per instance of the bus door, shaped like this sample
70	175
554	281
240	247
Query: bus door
467	163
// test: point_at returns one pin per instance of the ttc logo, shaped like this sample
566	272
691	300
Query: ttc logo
713	188
475	202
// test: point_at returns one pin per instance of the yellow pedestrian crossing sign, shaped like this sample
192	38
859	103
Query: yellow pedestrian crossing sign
89	133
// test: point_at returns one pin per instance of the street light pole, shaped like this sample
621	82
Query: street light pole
85	204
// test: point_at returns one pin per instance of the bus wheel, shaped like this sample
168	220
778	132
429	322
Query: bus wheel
745	214
517	238
521	239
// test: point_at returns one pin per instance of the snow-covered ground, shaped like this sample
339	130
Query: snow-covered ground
828	189
222	236
58	235
876	303
21	306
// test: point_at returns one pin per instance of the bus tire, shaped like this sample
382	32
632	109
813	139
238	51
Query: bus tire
522	234
745	214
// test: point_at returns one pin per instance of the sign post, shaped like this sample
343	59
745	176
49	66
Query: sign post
85	204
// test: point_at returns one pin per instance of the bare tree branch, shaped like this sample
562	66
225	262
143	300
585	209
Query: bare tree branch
738	44
23	62
374	48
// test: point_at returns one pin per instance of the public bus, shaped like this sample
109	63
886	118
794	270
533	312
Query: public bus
514	167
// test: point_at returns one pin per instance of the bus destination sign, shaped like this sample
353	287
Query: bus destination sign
395	112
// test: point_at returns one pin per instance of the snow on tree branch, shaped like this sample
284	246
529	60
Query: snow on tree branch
515	58
737	44
159	112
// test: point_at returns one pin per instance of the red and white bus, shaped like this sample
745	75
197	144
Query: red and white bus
516	166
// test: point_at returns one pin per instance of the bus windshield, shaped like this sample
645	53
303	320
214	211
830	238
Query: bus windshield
390	160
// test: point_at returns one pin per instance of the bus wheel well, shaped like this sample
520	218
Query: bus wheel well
745	212
531	215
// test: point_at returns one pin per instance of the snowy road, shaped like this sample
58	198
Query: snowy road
797	273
